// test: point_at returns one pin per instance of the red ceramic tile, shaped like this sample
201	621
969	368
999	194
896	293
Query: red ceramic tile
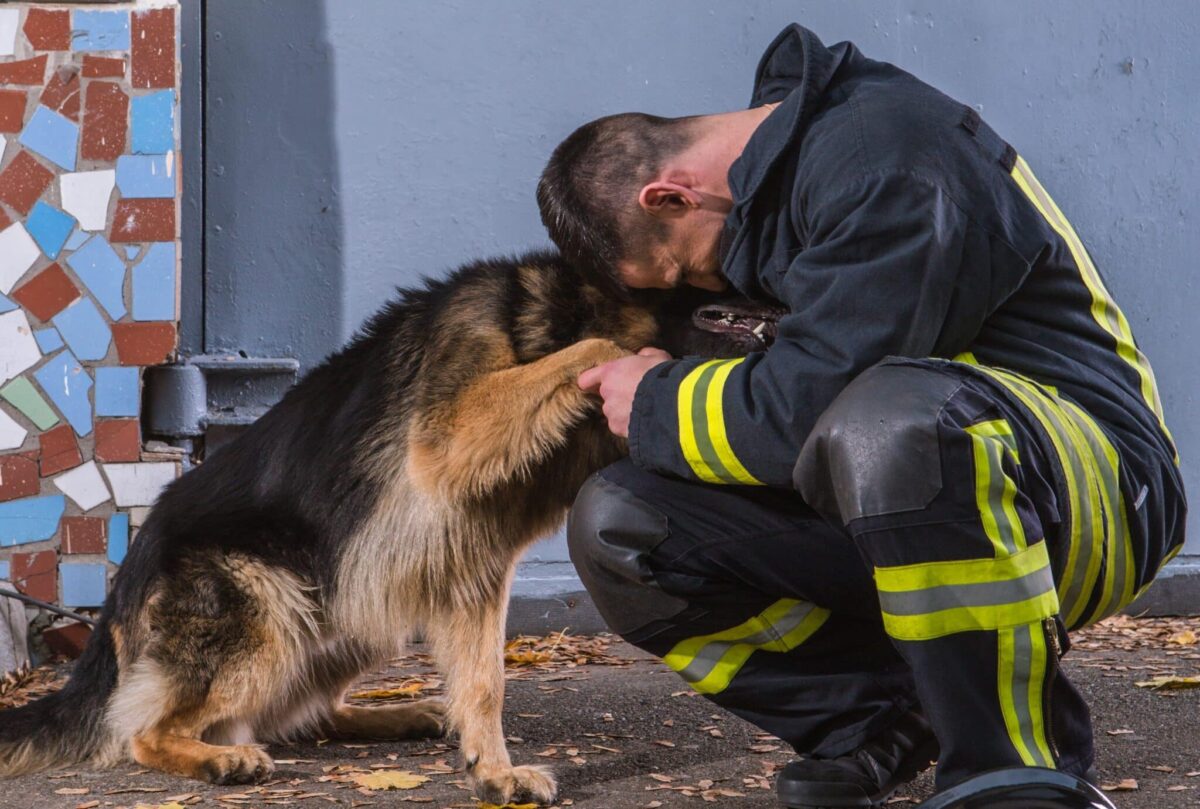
153	48
36	574
12	110
62	92
48	30
105	121
4	219
143	220
144	343
47	293
118	440
103	67
18	476
23	181
59	450
67	640
26	71
83	534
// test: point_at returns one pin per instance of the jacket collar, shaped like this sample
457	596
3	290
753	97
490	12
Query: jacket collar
795	70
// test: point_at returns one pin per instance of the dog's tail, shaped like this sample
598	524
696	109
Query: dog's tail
67	727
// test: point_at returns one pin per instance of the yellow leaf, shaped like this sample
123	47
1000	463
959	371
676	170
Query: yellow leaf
483	805
406	690
1184	638
1169	683
389	780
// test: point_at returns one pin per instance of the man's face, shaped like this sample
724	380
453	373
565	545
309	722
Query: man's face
688	256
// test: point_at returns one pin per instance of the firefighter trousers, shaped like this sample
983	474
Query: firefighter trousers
952	523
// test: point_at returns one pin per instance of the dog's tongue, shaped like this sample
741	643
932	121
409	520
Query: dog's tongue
760	322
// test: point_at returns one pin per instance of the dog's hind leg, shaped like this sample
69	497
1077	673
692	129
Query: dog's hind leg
228	637
469	646
408	720
506	421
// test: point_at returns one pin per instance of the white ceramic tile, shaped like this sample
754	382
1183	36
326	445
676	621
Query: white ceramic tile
18	348
12	435
84	485
9	19
138	516
138	484
18	251
85	196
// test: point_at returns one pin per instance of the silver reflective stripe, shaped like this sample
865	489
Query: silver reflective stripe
997	481
1022	669
708	657
979	594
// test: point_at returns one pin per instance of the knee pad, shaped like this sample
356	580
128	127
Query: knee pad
875	451
611	534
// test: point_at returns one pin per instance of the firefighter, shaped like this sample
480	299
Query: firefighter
872	538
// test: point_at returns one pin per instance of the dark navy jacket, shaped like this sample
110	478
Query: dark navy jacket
891	220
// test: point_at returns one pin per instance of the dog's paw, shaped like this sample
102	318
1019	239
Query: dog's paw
425	719
240	764
595	351
503	785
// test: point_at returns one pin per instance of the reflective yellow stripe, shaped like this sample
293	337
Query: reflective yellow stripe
710	662
970	619
1087	535
924	575
716	425
1120	574
990	440
1021	680
982	594
687	426
702	437
1104	309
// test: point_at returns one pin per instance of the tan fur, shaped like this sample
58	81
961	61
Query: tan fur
476	463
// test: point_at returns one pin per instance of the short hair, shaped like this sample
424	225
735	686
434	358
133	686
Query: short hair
588	192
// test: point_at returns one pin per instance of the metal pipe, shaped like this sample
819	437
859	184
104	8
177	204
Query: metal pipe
83	619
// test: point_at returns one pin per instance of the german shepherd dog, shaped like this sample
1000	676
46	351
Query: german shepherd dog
390	492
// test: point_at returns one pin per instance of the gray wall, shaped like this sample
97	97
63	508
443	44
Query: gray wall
357	144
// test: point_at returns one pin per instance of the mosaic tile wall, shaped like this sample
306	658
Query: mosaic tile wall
89	196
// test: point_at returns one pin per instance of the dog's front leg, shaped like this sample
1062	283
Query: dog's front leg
469	646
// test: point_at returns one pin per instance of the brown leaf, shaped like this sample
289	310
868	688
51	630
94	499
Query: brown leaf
664	743
1124	785
72	791
1169	683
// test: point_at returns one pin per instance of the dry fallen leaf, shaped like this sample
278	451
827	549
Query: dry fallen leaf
389	780
1184	638
1119	732
406	690
1124	785
1169	683
508	806
72	791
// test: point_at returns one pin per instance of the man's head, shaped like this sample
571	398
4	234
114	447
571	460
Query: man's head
637	198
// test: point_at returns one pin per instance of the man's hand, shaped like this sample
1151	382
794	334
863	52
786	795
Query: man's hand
616	382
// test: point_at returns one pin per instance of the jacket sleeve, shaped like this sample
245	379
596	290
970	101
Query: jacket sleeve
884	259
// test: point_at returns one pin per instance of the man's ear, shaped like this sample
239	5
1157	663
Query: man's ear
666	199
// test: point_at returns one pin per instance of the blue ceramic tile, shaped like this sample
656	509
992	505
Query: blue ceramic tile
53	136
30	520
99	266
48	340
140	176
4	571
6	304
84	329
49	227
118	537
82	584
154	283
152	122
131	251
116	391
77	239
100	30
67	384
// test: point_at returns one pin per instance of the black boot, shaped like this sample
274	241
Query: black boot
866	777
